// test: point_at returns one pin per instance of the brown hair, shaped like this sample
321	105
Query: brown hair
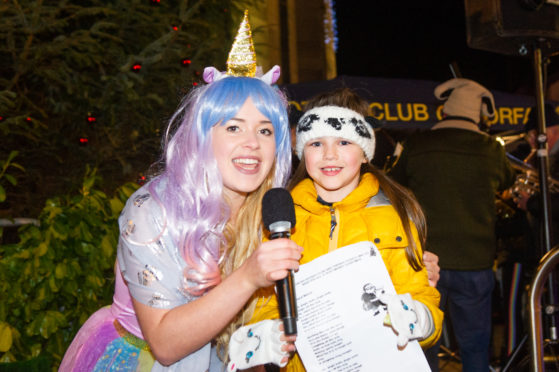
343	97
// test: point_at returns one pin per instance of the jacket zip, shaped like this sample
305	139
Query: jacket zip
334	229
333	222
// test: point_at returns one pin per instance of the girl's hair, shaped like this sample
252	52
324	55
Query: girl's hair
401	198
343	97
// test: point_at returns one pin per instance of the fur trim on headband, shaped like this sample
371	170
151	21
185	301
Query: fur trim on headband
335	121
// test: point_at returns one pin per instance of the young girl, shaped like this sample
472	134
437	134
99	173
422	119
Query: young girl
190	254
340	199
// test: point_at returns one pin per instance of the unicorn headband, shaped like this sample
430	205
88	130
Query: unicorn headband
242	59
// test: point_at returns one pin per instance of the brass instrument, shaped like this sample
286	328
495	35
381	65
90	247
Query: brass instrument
527	179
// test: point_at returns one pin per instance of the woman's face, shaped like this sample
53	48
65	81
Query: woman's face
244	148
334	164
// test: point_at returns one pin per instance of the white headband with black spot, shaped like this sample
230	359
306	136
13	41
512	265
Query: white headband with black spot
335	121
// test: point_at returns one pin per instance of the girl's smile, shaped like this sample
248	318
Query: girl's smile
331	171
334	165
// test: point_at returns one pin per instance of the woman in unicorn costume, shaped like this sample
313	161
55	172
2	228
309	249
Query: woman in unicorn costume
190	255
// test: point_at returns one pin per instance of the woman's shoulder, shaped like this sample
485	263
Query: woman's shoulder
143	218
144	200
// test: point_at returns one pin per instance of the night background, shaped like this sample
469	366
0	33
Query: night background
418	40
86	89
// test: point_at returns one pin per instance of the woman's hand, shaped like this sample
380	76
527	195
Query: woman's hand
205	317
272	261
431	262
288	346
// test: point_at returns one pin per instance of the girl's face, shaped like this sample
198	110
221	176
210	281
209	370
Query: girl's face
333	163
244	148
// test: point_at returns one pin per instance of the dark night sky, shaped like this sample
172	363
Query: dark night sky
418	40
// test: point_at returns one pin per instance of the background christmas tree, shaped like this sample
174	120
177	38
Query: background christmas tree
93	82
86	89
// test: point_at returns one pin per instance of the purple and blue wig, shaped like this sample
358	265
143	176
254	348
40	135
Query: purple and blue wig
192	197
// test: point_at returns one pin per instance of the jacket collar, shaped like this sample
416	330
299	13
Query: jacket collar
305	196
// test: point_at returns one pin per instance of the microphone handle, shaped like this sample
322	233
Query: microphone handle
285	289
287	303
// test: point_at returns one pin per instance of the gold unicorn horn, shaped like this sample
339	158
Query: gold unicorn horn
242	59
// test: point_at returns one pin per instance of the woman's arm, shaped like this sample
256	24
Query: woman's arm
175	333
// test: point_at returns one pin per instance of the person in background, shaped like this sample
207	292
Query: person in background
341	199
190	254
455	171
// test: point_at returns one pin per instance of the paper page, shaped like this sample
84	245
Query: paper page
340	322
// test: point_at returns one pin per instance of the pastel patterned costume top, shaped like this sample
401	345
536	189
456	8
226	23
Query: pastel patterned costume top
150	269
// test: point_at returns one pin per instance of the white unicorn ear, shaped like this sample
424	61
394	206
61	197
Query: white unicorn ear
212	74
272	75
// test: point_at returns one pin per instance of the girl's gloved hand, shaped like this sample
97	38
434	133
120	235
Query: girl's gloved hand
410	319
256	344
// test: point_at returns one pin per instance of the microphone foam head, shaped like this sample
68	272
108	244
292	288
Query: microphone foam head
277	205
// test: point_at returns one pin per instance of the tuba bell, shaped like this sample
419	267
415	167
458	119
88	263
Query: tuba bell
527	178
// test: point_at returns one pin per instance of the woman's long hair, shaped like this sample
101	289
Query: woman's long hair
196	211
198	217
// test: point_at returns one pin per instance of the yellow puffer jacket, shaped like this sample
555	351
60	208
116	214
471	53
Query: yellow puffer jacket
355	222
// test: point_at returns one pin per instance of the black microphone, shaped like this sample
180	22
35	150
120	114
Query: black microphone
278	216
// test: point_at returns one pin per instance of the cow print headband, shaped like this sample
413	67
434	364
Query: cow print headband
335	121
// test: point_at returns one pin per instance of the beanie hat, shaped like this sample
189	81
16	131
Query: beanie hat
465	98
551	117
335	121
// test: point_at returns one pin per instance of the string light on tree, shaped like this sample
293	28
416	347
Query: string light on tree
186	62
91	119
136	67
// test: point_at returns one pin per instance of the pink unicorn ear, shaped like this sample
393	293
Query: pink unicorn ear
272	75
211	74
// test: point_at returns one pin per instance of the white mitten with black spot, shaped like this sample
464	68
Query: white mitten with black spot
256	344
